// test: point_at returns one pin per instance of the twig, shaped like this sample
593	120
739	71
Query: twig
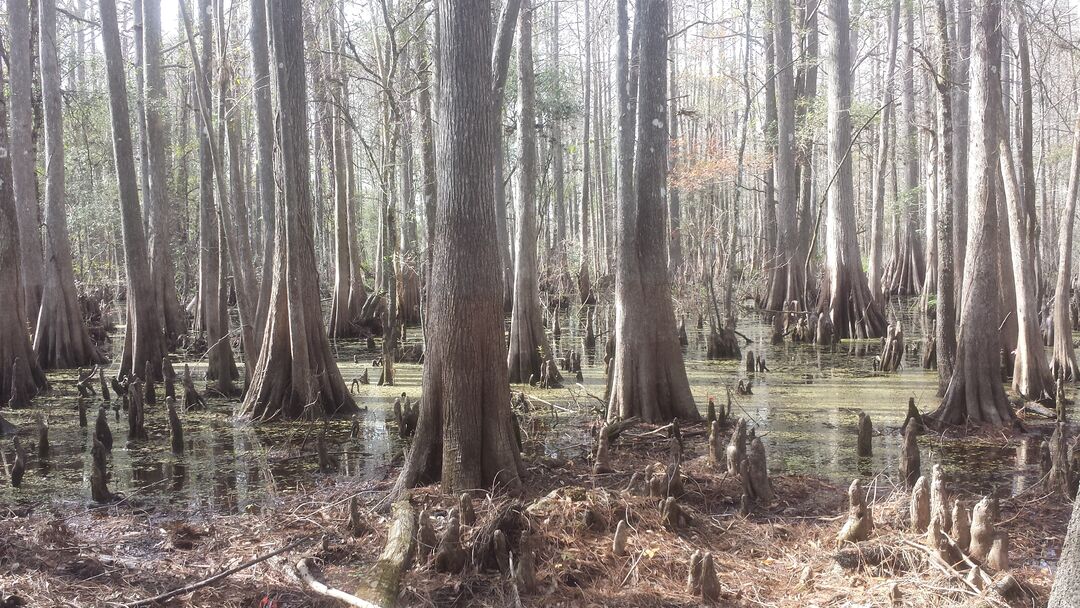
220	575
322	589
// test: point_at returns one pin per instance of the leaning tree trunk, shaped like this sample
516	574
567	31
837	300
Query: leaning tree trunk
1064	362
975	394
296	368
855	311
529	346
20	373
162	268
1031	374
24	180
144	340
61	339
465	434
648	377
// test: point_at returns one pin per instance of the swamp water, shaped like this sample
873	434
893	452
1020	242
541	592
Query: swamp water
806	408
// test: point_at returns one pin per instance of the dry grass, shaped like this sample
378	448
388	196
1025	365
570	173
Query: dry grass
780	555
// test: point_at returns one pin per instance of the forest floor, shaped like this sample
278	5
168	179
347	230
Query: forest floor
781	554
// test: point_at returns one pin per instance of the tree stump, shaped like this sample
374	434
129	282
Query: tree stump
672	514
356	526
101	431
18	468
176	431
1059	478
761	367
426	540
736	450
983	527
501	548
910	461
450	557
717	456
892	353
83	382
866	436
525	569
920	506
104	385
759	472
168	376
998	557
99	477
913	419
710	585
150	391
751	362
961	525
860	521
602	461
939	499
327	463
618	543
43	435
693	577
465	507
136	426
192	399
81	405
683	340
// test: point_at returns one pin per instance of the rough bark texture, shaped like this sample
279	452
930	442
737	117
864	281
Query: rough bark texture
23	159
61	339
975	393
1066	591
529	346
162	268
264	131
845	295
648	377
1064	362
465	433
787	281
296	366
14	340
144	340
945	310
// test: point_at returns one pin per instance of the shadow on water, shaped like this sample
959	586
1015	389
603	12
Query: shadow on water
806	407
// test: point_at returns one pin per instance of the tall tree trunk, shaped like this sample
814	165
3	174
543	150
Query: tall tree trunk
905	275
264	133
877	213
648	377
960	138
162	268
584	276
296	369
853	309
500	61
529	346
465	434
675	255
31	264
20	374
945	310
787	281
1031	374
61	339
1064	361
144	340
975	394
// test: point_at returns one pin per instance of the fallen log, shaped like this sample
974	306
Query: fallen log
380	586
305	575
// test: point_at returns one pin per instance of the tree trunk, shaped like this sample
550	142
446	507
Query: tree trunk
846	299
162	268
61	339
877	217
529	346
500	61
648	378
296	368
1066	590
584	276
264	131
905	274
960	138
1064	362
975	394
1031	374
787	281
23	164
465	434
20	373
144	340
945	311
